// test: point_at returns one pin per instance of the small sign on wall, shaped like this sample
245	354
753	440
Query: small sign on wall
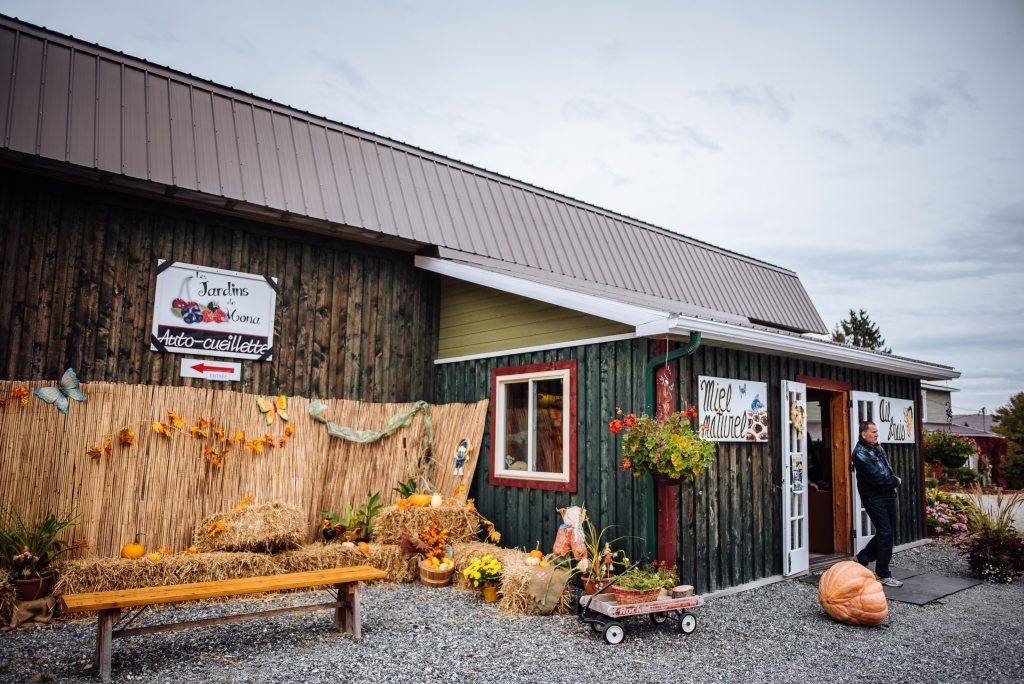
209	311
732	410
222	371
896	421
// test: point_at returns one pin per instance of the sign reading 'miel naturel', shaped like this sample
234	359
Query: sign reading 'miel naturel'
200	310
732	410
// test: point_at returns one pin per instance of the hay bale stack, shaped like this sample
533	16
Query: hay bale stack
463	555
514	585
463	524
318	556
263	528
110	574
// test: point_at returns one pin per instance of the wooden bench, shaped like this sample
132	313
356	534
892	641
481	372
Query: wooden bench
110	603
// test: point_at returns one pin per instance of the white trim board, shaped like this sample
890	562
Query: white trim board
538	348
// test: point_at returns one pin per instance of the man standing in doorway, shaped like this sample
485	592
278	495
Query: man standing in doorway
877	485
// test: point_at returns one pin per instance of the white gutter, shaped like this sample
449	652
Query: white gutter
653	323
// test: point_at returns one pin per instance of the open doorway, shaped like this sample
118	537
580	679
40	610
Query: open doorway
828	474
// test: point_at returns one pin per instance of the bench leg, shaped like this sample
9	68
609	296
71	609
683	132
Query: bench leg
103	641
346	618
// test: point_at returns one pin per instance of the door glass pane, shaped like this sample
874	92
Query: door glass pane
548	426
517	405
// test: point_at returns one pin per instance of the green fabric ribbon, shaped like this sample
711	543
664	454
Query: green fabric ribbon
316	410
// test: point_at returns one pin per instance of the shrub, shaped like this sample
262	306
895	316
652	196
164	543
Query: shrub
1013	470
948	514
994	550
963	475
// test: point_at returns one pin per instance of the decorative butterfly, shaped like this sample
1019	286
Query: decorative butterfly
743	389
68	389
270	407
756	404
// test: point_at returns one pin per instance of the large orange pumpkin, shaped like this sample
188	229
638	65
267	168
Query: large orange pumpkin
134	550
420	499
850	593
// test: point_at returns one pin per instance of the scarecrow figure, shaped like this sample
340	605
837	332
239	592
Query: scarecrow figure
570	537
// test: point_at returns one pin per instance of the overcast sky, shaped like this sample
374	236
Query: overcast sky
876	148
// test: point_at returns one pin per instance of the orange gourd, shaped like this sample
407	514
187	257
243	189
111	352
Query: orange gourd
850	593
363	546
420	499
537	553
134	550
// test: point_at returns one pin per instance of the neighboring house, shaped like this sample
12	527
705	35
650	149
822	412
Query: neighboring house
406	275
937	402
976	421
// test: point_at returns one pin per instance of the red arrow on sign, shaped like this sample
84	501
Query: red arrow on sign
202	368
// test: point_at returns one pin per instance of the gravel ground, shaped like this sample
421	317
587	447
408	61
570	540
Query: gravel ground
411	633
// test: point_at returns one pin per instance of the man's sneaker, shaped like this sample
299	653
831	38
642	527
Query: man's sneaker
890	582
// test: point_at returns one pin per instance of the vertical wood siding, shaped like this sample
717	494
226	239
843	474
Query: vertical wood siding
729	527
77	277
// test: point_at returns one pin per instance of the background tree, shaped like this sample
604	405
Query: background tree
1011	426
859	331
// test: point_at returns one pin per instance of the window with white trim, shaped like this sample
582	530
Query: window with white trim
533	416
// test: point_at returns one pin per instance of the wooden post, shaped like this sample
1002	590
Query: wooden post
104	626
665	405
347	617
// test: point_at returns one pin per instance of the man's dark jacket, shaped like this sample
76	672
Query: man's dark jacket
874	474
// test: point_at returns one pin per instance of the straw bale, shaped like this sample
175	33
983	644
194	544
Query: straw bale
463	554
318	556
514	585
463	524
6	603
263	528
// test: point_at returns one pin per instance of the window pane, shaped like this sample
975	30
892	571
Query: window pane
548	426
517	405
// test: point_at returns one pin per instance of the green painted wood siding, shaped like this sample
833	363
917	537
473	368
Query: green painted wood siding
77	277
729	519
476	320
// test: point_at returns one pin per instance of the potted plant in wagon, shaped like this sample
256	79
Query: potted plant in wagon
29	550
601	560
641	586
668	449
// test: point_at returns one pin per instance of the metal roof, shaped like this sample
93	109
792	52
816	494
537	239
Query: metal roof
84	108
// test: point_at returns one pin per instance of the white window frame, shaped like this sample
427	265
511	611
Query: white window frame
499	440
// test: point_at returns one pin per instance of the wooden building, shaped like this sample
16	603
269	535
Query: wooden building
404	275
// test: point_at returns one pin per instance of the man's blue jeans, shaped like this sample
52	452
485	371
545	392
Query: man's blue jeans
882	511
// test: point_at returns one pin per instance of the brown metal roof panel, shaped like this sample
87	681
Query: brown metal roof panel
382	196
238	155
267	153
82	131
108	118
133	123
361	185
432	171
205	132
422	218
467	187
27	90
309	175
328	183
288	163
344	178
602	244
7	40
511	217
53	133
497	203
400	198
158	130
462	234
544	254
183	136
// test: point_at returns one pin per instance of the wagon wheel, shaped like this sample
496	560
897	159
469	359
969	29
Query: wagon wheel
597	627
687	623
614	633
659	618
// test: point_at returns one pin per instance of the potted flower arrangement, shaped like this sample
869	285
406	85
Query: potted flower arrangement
640	586
949	448
484	573
948	514
29	550
669	449
601	560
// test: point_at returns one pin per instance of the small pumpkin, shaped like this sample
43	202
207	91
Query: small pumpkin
850	593
347	545
436	501
134	550
532	560
544	564
420	499
537	553
155	557
364	547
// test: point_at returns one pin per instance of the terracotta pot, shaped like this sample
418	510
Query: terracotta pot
490	591
635	595
31	589
662	478
591	585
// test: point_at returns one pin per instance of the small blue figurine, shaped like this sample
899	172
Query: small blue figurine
756	404
462	455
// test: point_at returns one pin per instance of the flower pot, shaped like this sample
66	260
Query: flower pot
951	461
490	592
31	589
592	585
662	478
432	577
624	596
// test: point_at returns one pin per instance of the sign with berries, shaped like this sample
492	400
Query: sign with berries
210	311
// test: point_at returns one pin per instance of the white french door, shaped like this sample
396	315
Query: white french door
795	549
863	406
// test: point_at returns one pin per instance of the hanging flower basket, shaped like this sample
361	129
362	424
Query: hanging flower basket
669	449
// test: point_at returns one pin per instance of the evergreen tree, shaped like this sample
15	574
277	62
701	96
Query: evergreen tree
859	331
1011	426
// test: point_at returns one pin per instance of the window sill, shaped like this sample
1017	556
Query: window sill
532	483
